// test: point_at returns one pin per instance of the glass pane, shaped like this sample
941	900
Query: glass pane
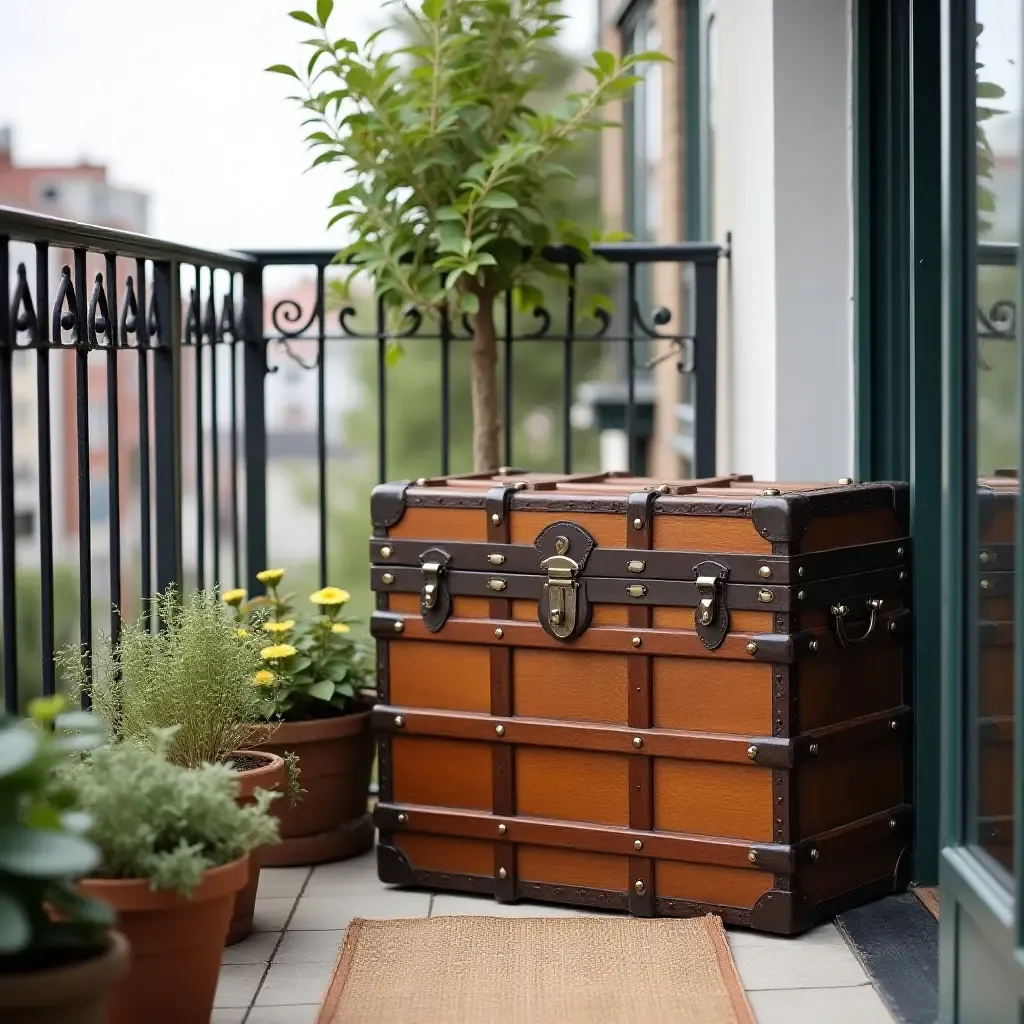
990	722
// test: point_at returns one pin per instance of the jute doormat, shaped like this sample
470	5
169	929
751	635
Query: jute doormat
930	898
490	970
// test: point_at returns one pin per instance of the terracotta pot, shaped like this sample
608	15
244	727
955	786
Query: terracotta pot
330	821
73	994
271	775
176	944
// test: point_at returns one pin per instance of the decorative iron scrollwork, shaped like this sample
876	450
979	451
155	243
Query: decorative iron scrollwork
23	312
66	319
98	320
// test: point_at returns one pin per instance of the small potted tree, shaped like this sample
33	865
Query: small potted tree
58	958
314	672
451	177
175	845
201	673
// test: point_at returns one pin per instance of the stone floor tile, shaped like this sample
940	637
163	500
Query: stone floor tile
309	947
235	1015
860	1005
348	876
282	881
289	984
818	959
271	914
328	913
283	1014
446	905
255	949
237	984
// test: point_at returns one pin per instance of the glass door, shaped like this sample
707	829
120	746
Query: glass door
982	928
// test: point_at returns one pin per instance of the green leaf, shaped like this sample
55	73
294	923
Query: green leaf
306	19
323	690
433	9
393	353
448	213
282	69
323	10
45	854
651	56
605	61
18	747
469	302
15	927
499	201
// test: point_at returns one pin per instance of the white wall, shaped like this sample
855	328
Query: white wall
782	188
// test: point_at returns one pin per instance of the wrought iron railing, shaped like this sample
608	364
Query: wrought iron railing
997	315
135	371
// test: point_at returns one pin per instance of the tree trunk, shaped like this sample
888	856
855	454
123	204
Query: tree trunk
483	361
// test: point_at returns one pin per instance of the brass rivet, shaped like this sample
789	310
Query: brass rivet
387	578
903	575
495	519
813	750
499	730
846	480
985	584
502	874
399	721
899	551
814	853
638	742
637	590
499	632
638	844
801	594
892	823
752	752
496	559
765	596
800	571
664	489
637	641
402	819
399	626
502	829
636	566
421	481
752	856
751	648
893	724
640	887
386	552
496	584
892	627
638	524
770	492
814	645
765	571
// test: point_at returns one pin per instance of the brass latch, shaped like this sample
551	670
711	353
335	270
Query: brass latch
707	593
559	604
431	577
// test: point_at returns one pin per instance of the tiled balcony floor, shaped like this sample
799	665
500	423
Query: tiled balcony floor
278	974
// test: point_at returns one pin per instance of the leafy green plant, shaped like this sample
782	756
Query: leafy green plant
158	820
984	157
453	177
313	668
197	673
43	919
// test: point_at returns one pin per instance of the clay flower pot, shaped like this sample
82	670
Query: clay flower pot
75	993
270	774
330	821
176	944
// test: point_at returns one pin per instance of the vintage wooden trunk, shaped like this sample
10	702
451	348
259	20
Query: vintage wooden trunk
666	699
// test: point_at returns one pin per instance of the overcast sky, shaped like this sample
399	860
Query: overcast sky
173	99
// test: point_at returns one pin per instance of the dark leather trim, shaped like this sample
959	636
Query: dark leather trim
780	518
385	785
997	557
387	503
712	633
640	509
782	912
497	504
785	648
641	903
892	725
996	584
393	867
382	624
581	545
435	617
900	623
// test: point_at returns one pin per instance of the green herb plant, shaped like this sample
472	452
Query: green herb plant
155	819
451	177
43	849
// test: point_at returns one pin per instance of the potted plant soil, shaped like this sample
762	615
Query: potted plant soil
199	672
311	682
175	845
58	957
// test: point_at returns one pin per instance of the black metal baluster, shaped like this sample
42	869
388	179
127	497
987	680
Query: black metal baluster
194	331
570	337
165	325
45	456
382	407
255	355
140	327
230	328
446	390
8	581
507	397
213	333
631	312
321	420
84	484
706	365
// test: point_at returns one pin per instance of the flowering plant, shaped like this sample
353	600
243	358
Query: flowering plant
312	668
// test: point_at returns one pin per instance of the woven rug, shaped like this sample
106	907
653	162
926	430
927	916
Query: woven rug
491	970
930	898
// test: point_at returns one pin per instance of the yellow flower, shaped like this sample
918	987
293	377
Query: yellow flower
241	633
339	627
233	597
263	678
279	627
277	652
270	576
330	596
